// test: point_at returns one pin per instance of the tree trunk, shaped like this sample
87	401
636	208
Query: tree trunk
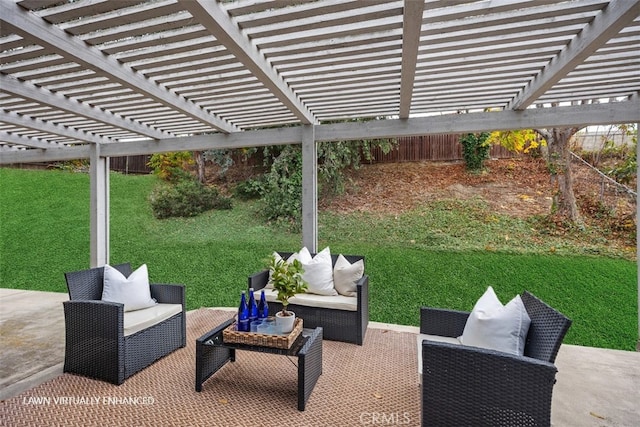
200	164
559	159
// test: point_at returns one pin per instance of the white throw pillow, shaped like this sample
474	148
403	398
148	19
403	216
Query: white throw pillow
269	284
345	276
295	255
318	271
494	326
134	292
304	256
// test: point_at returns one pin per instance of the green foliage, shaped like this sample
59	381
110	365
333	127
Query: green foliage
282	189
249	189
287	279
186	198
475	150
626	171
171	166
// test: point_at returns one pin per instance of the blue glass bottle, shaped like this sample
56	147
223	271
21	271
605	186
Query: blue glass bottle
263	307
253	308
243	314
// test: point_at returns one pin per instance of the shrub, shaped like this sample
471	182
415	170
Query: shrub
171	166
249	189
282	190
186	198
475	150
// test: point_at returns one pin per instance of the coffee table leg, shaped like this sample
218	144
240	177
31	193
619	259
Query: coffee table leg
309	367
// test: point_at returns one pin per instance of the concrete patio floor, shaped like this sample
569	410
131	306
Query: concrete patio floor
595	387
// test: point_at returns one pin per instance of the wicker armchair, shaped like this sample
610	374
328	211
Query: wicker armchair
470	386
96	345
337	325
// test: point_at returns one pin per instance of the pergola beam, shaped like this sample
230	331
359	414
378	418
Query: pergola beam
14	156
569	116
217	21
411	27
606	25
54	39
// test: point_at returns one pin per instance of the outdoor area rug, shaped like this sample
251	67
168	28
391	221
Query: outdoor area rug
373	384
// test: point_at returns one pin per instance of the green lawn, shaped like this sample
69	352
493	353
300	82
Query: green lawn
440	255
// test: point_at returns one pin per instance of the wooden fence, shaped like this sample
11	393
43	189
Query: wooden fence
442	148
130	164
436	148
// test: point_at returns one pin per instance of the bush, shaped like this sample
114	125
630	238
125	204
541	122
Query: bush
186	198
282	190
249	189
171	166
475	150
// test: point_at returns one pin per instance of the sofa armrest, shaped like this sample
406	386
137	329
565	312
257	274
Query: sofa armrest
87	318
461	383
442	322
362	290
259	280
168	293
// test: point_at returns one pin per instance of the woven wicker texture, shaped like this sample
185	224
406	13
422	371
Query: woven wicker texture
376	383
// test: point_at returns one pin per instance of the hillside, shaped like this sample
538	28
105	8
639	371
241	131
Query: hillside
518	187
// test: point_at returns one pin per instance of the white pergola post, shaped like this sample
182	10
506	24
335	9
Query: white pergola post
309	189
99	205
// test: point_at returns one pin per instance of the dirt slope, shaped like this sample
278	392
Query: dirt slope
517	187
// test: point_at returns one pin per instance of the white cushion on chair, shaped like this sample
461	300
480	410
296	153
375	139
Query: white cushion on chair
135	321
338	302
133	291
494	326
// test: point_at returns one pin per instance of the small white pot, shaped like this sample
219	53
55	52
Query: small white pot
285	323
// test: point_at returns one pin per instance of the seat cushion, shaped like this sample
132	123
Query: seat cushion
135	321
422	337
338	302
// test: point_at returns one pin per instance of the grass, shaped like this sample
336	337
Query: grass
443	254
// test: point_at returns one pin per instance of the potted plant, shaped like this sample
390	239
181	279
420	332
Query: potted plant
287	281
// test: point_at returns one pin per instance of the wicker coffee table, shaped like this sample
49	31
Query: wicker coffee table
212	353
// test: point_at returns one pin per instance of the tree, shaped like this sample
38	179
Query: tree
559	163
518	141
199	159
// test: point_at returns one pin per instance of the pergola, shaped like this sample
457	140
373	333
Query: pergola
98	78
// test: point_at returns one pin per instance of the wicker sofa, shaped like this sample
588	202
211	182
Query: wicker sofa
342	318
99	343
464	385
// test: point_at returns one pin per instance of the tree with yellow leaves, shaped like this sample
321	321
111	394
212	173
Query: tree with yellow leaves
518	141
